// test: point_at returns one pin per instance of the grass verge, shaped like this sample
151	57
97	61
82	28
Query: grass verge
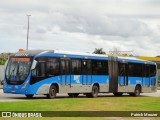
86	104
110	103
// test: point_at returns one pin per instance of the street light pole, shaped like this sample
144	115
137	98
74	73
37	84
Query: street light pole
28	31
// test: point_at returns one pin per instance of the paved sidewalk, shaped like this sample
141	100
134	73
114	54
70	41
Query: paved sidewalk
1	91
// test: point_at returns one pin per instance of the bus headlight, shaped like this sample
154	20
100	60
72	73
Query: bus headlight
25	84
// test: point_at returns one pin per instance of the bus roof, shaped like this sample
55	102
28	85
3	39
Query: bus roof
135	60
32	53
71	54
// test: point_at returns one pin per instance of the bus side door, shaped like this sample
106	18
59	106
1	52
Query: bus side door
86	72
123	74
146	77
65	72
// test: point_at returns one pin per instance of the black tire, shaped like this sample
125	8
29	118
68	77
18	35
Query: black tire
73	95
29	96
117	94
52	92
137	91
94	92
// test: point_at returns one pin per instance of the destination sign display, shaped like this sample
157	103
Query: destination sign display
20	59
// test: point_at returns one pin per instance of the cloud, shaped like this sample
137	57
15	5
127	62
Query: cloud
82	25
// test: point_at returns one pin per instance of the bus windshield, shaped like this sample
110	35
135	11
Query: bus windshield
17	70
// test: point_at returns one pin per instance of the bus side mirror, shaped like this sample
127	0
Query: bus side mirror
5	65
34	65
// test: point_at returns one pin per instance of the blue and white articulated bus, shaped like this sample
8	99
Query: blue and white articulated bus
47	73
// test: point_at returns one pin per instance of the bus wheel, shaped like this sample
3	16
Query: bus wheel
52	92
29	96
118	94
137	91
73	95
94	92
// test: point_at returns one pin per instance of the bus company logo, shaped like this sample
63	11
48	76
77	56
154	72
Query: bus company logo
6	114
21	114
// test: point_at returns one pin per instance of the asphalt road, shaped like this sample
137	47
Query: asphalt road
12	97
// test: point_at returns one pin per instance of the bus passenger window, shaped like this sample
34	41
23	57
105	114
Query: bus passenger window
41	69
99	67
65	67
135	70
62	67
76	67
56	70
52	67
152	70
50	71
84	67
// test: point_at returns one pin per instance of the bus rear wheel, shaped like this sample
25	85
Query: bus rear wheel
52	92
94	92
137	91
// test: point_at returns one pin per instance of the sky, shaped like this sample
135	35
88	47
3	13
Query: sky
81	25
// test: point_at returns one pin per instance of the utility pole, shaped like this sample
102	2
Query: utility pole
28	31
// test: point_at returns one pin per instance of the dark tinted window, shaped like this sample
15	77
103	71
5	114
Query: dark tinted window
86	67
65	67
149	70
99	67
76	67
146	70
135	70
152	70
46	67
39	73
52	67
40	70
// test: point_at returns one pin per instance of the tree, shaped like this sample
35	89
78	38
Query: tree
99	51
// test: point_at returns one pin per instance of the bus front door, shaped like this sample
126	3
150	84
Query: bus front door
65	72
86	72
